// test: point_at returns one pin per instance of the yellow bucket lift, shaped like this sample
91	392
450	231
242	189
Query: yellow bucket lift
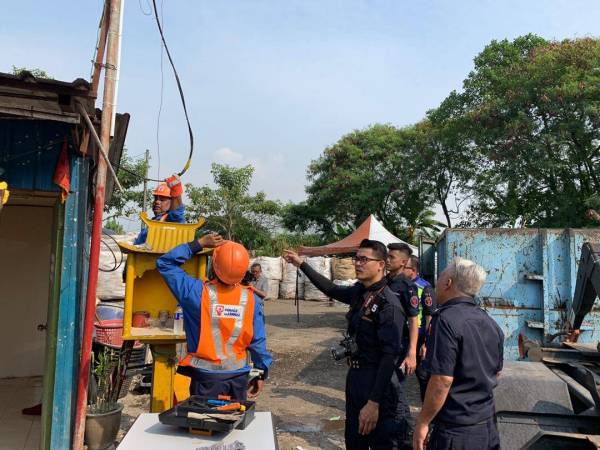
4	194
146	294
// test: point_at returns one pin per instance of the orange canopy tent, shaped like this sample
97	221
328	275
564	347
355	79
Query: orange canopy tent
371	228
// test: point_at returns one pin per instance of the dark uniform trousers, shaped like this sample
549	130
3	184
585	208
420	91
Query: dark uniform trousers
404	424
385	436
234	385
481	436
421	373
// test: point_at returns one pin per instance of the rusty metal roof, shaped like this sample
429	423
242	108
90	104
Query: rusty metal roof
25	96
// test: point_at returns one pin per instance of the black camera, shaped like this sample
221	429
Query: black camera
346	349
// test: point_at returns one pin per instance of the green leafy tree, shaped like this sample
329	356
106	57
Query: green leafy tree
131	175
279	242
370	171
531	111
114	225
445	159
231	210
425	225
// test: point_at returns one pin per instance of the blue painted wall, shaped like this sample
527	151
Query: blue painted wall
72	293
513	258
29	151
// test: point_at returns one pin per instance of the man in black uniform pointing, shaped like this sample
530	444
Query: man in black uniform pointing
375	327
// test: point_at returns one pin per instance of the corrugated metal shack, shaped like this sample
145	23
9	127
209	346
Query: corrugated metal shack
531	278
44	243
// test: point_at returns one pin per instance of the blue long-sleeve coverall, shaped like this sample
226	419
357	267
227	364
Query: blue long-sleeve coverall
176	215
188	292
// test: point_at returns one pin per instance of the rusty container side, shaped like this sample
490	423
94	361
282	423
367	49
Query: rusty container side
531	278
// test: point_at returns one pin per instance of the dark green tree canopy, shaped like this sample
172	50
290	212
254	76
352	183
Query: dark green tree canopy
370	171
130	201
530	111
231	210
518	146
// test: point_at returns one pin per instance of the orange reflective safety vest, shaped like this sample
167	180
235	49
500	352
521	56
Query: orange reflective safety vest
226	328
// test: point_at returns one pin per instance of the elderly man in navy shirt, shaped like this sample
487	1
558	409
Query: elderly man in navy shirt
464	358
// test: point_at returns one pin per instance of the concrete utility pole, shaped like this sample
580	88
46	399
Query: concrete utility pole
145	204
108	102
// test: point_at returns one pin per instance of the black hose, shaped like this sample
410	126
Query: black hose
187	119
116	265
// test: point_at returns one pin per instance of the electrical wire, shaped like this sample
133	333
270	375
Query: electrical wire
162	85
181	94
136	175
142	9
137	156
47	147
97	42
115	265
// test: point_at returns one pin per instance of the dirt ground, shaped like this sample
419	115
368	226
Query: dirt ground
305	389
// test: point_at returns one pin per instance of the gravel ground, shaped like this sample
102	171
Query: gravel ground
305	390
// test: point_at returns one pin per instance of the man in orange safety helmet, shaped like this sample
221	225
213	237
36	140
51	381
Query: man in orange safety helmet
167	205
223	320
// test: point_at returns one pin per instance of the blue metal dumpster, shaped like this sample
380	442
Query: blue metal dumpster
531	278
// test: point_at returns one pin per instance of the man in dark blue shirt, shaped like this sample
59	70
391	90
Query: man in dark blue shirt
167	205
375	322
464	358
427	305
398	257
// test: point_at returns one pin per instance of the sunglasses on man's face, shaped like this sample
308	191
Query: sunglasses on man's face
363	259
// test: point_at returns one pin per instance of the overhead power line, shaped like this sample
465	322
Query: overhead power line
181	94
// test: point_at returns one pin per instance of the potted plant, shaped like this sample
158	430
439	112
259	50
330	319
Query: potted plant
103	416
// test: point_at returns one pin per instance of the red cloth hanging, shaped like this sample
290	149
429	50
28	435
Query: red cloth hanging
62	173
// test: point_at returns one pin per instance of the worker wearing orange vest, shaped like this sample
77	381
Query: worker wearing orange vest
167	205
223	320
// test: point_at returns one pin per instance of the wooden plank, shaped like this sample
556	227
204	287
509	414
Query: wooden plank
52	323
79	87
22	100
68	318
115	151
43	114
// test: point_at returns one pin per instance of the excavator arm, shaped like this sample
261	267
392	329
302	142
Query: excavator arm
587	287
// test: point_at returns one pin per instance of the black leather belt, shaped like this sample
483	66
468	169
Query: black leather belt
458	425
355	363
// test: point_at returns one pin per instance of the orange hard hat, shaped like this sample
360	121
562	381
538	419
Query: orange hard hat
162	190
230	262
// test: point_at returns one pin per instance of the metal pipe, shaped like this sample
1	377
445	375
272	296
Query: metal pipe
103	152
90	306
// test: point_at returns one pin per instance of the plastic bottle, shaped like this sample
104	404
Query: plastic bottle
178	321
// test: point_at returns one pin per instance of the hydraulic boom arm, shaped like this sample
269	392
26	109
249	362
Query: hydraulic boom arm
588	285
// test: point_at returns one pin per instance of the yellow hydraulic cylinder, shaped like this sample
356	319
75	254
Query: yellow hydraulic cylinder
163	379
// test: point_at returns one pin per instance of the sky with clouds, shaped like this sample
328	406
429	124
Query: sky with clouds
272	83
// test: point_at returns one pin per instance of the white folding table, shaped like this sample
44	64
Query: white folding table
147	433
